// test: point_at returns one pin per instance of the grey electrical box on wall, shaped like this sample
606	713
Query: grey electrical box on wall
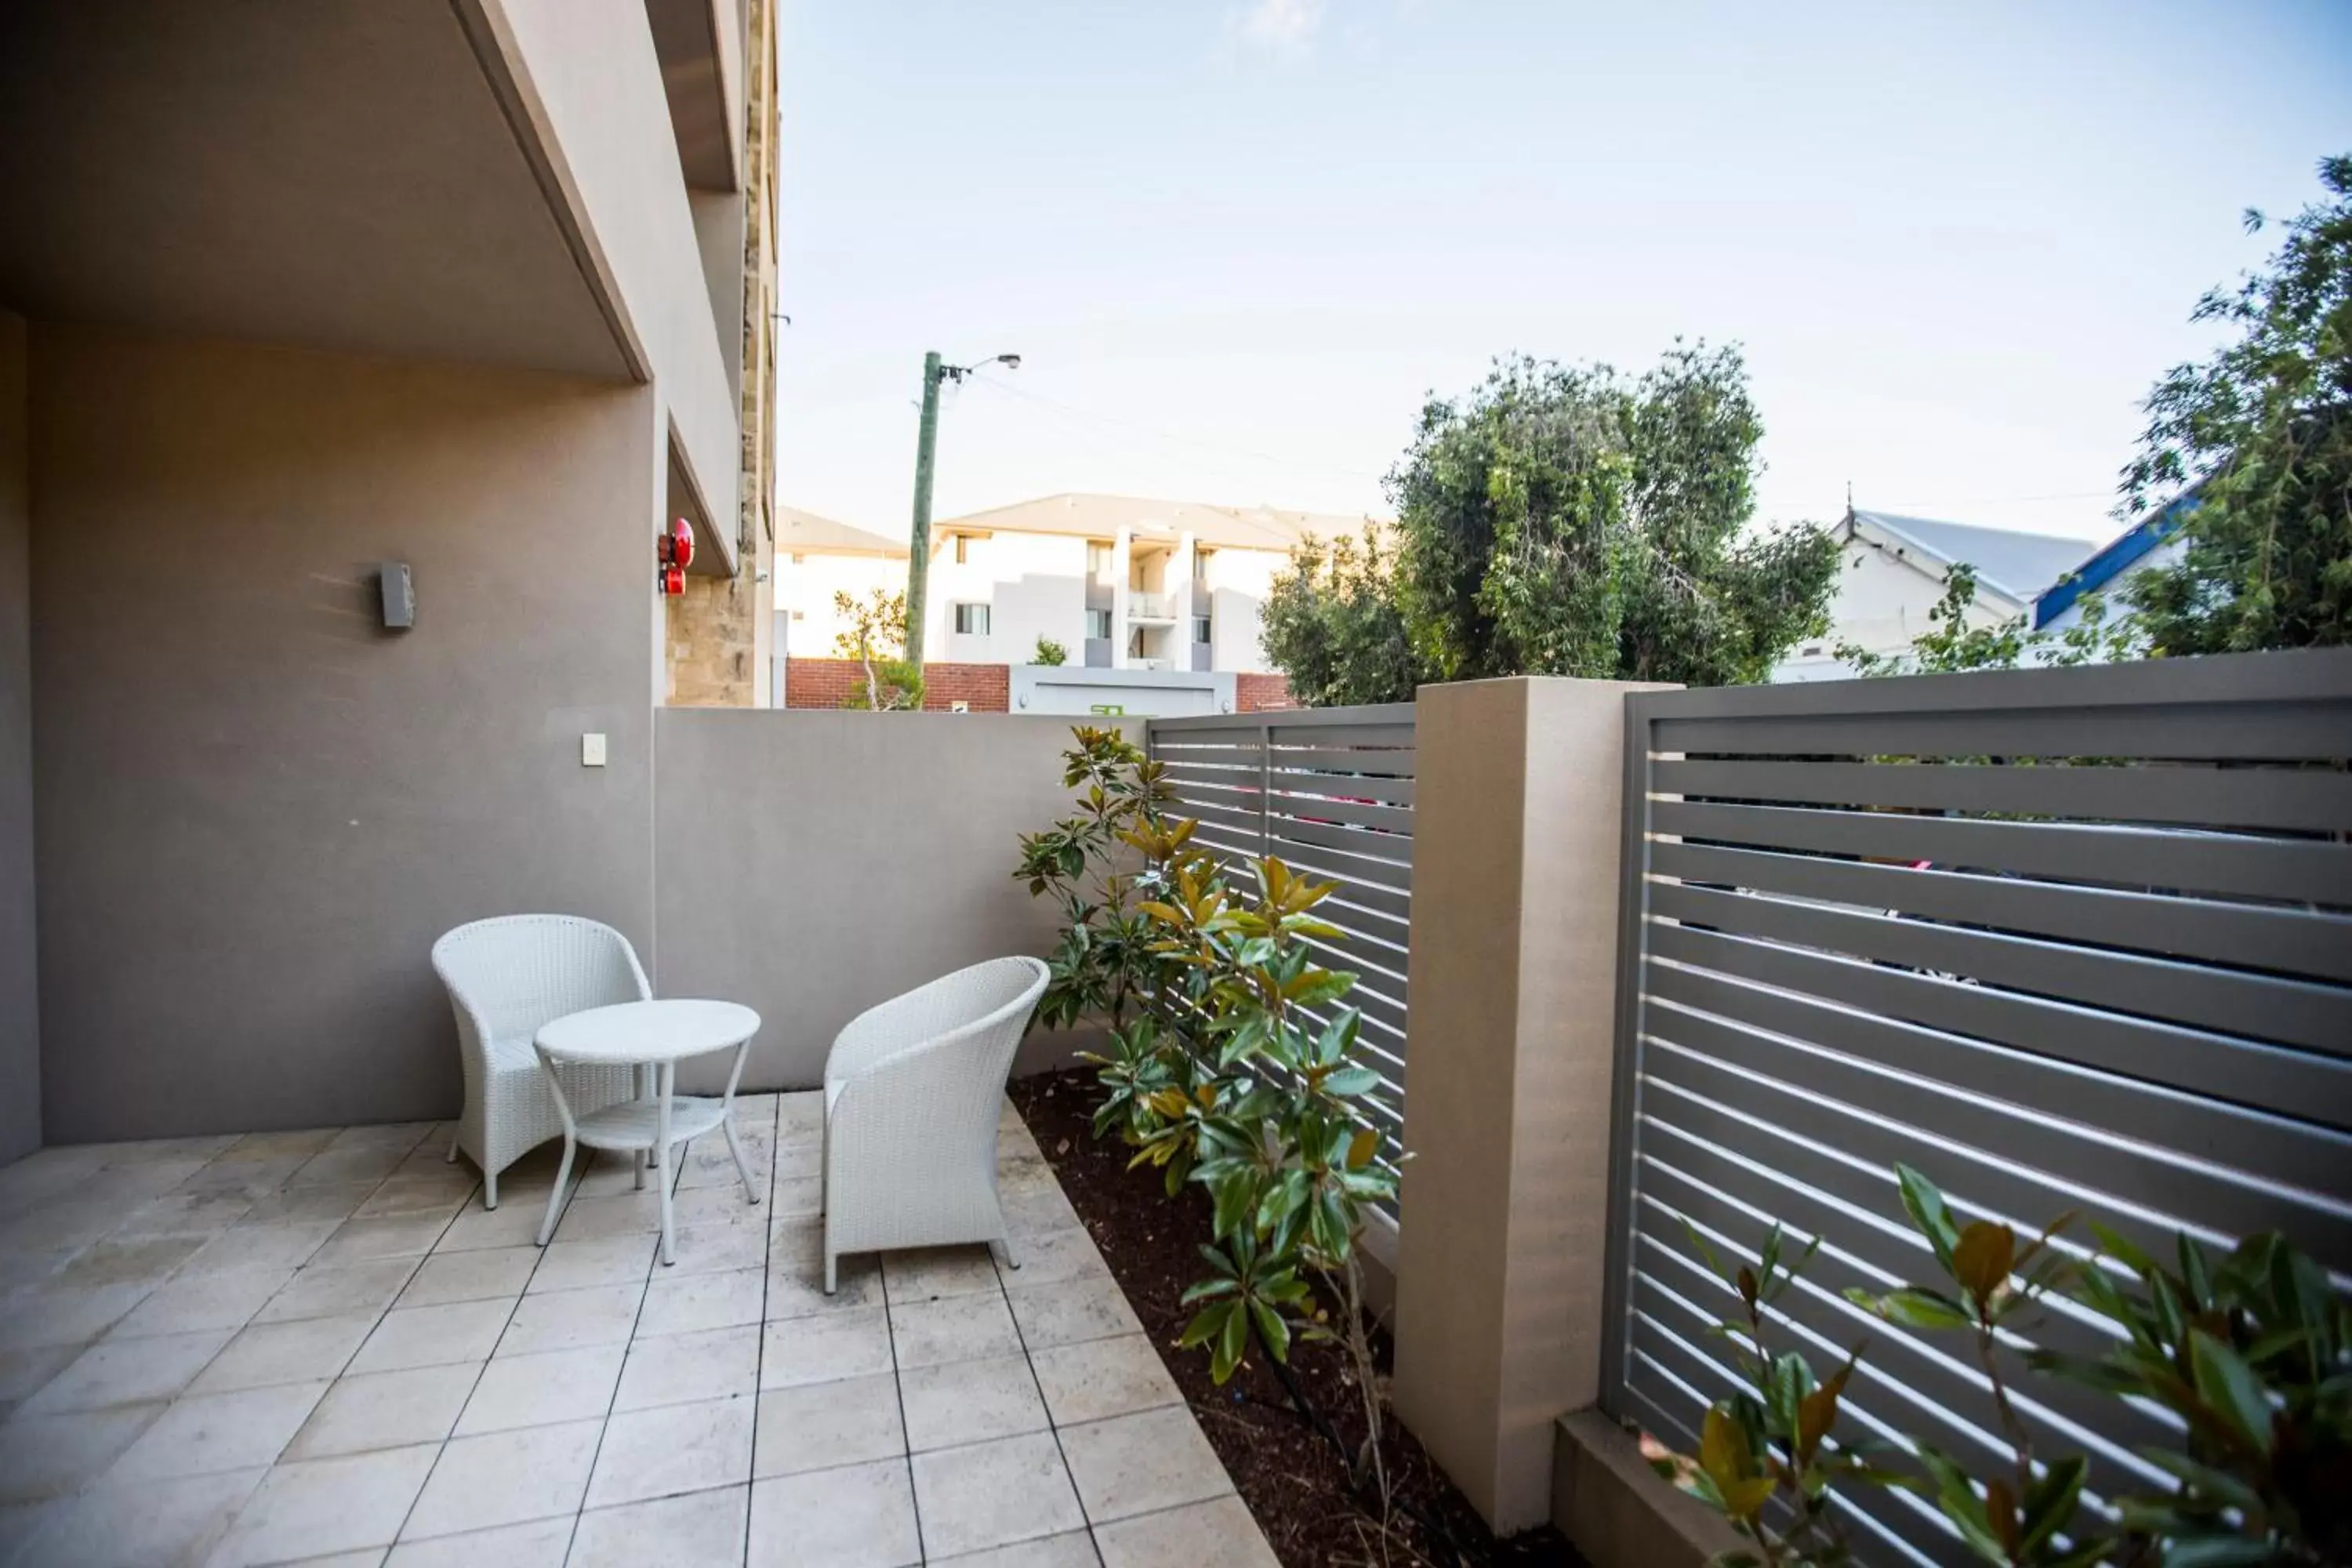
399	594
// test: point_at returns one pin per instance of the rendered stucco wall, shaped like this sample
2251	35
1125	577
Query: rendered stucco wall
1034	584
257	808
1503	1225
20	1022
863	854
1232	594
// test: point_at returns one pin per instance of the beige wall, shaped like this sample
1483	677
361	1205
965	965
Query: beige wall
1503	1226
20	1024
258	809
862	855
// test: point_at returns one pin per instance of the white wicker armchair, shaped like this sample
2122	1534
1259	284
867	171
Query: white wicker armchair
507	977
912	1094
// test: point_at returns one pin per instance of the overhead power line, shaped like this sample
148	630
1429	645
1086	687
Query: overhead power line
1091	416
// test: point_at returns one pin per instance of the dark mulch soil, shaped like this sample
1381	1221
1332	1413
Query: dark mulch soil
1287	1474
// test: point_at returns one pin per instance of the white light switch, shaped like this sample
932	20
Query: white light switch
592	750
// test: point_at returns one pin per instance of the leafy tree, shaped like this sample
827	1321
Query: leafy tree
877	638
1567	521
1049	652
2266	422
1570	521
1333	626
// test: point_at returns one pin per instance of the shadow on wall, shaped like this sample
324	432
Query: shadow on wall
812	863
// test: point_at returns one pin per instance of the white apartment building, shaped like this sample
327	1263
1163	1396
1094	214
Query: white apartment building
1121	583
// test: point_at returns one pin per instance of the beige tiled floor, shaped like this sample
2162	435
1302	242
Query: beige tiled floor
319	1347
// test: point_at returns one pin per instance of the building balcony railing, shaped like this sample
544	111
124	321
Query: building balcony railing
1146	606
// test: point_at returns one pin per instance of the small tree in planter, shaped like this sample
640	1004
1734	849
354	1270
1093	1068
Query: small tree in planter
1214	1071
1238	1088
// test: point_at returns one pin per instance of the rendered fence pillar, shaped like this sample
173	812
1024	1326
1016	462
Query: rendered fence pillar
1513	977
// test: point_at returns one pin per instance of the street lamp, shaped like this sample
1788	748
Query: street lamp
919	557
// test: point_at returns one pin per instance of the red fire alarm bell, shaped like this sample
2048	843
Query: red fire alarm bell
674	552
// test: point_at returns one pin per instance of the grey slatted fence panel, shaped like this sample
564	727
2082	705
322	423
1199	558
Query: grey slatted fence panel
2072	939
1328	791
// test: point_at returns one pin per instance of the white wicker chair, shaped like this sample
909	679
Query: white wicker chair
507	977
912	1093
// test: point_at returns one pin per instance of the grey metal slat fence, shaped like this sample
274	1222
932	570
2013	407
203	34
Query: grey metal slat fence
2063	939
1328	791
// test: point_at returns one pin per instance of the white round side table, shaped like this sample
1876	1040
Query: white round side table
651	1037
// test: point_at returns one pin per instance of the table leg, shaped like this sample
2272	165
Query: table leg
571	1147
555	1198
637	1156
650	1076
666	1080
726	1123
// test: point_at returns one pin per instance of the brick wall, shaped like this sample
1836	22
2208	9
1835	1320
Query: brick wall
1262	693
828	683
987	686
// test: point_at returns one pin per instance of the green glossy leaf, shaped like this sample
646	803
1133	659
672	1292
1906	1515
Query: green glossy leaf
1913	1307
2233	1389
1959	1503
2196	1280
2212	1485
1272	1330
1206	1324
2050	1501
2219	1550
1232	1343
1925	1203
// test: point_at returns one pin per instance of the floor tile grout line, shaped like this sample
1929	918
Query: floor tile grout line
513	1307
672	1168
1030	1360
414	1263
229	1519
760	1359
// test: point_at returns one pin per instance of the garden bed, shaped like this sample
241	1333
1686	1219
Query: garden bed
1288	1476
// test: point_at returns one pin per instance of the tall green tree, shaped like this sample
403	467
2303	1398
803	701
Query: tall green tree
2262	428
1566	519
1333	626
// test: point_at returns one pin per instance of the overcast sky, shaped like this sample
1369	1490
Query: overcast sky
1238	244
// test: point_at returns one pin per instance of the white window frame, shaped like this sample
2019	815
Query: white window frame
968	624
